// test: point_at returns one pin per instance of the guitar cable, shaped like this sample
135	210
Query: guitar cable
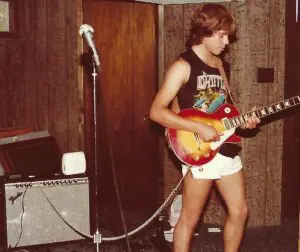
22	217
156	213
126	234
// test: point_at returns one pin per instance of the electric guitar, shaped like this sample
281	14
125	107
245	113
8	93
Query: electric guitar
191	150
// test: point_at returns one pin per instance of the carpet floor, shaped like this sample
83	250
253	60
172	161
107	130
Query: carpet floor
282	238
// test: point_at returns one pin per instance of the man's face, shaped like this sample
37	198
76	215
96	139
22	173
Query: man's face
217	42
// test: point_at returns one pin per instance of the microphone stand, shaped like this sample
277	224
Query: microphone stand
97	236
86	31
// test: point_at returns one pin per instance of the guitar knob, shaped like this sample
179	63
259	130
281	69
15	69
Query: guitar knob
206	155
196	158
188	151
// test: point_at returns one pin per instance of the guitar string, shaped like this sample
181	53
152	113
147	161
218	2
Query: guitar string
197	139
234	119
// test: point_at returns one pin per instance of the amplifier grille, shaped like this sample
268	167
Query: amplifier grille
52	208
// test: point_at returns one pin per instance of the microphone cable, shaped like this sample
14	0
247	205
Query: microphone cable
112	161
156	213
119	199
126	234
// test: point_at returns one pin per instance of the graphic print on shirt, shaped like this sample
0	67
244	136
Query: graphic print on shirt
211	92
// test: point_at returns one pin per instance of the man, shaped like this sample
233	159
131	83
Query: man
197	80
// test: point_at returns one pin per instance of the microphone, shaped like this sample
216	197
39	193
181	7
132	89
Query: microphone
87	31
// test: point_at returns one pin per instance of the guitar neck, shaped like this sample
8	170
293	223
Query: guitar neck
237	121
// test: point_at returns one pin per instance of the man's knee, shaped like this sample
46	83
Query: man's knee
189	220
239	212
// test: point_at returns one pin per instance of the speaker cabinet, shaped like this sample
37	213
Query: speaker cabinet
40	157
46	211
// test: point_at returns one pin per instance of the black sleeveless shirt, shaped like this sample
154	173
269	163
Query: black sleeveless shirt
204	90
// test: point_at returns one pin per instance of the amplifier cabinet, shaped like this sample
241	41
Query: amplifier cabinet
46	211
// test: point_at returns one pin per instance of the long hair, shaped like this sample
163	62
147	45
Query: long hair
207	20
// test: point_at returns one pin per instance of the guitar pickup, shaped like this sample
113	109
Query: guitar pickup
223	138
226	123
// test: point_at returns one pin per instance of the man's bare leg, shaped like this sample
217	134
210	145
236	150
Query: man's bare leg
195	192
232	189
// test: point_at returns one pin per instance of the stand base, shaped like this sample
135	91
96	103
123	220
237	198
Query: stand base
97	237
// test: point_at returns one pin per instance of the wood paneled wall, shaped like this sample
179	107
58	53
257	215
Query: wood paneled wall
261	43
40	76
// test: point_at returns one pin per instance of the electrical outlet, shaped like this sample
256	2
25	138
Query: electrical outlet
265	75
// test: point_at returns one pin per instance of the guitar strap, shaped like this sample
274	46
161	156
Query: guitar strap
227	87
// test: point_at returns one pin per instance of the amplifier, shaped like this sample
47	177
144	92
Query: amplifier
46	211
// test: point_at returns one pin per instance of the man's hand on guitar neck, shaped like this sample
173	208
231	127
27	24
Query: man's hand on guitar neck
252	121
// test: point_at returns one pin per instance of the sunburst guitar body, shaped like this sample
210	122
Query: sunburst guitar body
189	148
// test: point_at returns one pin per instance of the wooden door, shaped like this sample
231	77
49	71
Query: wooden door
125	36
291	136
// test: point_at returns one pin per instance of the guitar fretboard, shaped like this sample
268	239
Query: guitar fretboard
237	121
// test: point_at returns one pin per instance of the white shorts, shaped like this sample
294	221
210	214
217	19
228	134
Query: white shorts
219	166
